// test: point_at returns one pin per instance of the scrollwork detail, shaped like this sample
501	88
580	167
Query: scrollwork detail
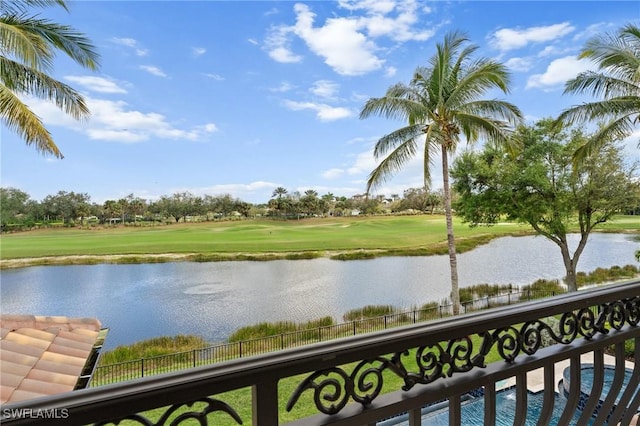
212	405
443	359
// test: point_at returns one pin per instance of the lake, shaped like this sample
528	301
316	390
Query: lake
214	299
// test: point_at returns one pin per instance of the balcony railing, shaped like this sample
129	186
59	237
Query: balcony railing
366	379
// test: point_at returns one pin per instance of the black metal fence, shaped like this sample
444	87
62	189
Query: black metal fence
129	370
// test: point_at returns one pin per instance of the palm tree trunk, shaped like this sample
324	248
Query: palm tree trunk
453	261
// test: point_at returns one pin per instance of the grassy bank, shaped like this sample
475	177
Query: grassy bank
339	238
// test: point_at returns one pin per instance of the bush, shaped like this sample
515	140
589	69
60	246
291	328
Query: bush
369	311
265	329
157	346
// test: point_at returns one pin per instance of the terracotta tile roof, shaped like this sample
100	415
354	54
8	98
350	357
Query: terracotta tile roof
44	355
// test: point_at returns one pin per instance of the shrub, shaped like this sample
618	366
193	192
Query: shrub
156	346
369	311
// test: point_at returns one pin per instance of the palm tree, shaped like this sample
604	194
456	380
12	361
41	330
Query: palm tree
617	82
441	104
279	192
29	45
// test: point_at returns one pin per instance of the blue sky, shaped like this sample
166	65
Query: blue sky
239	97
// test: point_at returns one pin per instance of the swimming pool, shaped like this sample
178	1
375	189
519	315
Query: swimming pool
586	383
472	411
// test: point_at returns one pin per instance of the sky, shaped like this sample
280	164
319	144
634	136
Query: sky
242	97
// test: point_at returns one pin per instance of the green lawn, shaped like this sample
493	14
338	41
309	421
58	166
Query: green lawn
263	236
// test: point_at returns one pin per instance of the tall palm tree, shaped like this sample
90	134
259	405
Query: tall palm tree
279	192
28	46
617	83
440	105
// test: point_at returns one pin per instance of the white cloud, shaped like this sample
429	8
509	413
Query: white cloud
198	51
519	64
323	112
216	77
285	86
324	88
390	72
277	44
339	42
153	70
114	121
375	6
558	72
509	39
131	43
332	173
95	84
253	41
346	43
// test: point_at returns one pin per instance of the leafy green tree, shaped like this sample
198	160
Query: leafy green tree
29	47
13	203
67	206
441	104
543	187
617	83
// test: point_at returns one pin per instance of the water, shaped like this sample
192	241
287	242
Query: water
472	411
214	299
586	380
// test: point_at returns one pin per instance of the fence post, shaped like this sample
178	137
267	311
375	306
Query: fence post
142	367
385	322
488	304
414	316
354	327
282	341
240	349
194	357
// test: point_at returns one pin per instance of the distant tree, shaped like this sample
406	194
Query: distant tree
617	83
112	209
442	104
543	187
242	207
29	46
67	206
279	192
13	203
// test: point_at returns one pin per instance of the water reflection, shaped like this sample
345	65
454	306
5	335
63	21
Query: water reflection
213	299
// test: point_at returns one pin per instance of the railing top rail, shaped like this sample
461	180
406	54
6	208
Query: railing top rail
239	373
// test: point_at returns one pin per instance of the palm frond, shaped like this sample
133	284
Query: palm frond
22	44
616	129
617	54
25	80
19	118
481	76
391	164
495	108
65	38
601	110
396	138
601	85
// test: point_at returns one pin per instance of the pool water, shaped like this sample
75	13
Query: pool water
586	380
473	411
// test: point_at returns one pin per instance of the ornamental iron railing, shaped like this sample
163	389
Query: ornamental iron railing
366	379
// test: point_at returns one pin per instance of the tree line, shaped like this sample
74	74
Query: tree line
18	211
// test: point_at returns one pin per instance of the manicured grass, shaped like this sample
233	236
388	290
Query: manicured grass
265	239
250	236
